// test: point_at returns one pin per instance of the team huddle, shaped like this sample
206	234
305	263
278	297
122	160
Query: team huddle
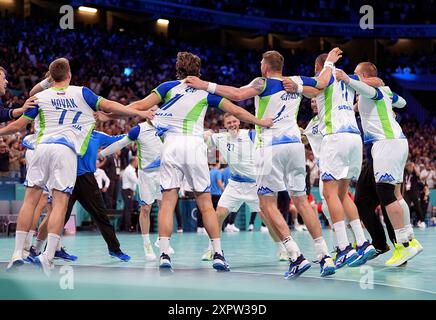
172	154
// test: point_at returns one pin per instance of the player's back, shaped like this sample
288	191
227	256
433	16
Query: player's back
149	145
183	109
378	118
274	102
65	116
335	108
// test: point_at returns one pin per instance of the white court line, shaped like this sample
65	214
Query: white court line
347	280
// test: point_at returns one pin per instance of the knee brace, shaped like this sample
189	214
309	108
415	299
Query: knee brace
386	193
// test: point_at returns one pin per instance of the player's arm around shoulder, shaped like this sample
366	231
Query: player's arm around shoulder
244	115
232	93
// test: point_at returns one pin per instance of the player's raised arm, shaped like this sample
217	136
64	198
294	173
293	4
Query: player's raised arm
232	93
323	79
398	101
359	86
244	115
43	85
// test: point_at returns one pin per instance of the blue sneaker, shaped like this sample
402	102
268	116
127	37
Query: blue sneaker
32	255
365	252
327	266
297	267
120	255
165	261
219	262
345	257
62	254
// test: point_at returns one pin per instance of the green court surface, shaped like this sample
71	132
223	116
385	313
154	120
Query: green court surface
255	272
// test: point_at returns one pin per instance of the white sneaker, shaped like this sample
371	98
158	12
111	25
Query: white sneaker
234	228
229	228
179	230
250	227
46	265
422	225
149	253
298	227
201	230
15	262
263	229
207	255
157	245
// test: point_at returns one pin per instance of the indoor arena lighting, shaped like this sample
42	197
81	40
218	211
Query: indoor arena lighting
87	9
163	22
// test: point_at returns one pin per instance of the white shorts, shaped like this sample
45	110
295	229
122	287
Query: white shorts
149	187
341	156
184	158
389	158
281	167
29	157
237	193
54	166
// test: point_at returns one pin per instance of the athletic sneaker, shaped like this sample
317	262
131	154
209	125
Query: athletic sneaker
179	230
219	262
120	255
366	252
381	251
32	255
345	256
327	266
201	230
235	228
401	255
415	243
165	261
263	229
157	245
43	262
149	253
251	227
297	267
421	225
207	255
62	254
15	262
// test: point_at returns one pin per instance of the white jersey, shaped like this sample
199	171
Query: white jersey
378	119
238	152
65	116
314	136
335	108
149	146
183	109
29	141
274	102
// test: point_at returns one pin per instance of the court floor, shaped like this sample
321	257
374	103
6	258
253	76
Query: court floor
255	272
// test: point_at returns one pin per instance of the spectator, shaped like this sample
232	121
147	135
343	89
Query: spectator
411	192
4	160
129	184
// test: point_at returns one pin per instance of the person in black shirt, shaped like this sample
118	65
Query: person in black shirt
411	192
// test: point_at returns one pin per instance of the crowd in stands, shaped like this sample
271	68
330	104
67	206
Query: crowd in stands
403	11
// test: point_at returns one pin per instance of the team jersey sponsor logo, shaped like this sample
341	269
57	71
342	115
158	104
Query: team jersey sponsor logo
190	90
345	107
289	96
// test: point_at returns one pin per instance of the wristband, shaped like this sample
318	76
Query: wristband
329	64
45	84
211	87
300	88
